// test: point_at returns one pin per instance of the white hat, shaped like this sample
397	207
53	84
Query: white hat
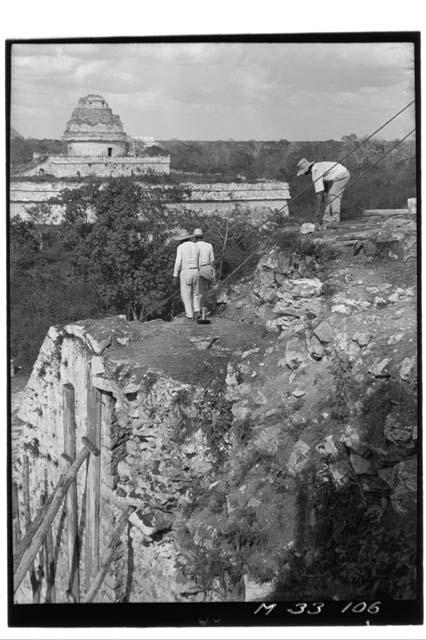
183	235
303	166
197	232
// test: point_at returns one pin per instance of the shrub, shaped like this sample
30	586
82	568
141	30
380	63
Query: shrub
355	550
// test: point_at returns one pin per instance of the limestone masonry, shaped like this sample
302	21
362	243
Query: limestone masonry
97	145
148	382
258	198
306	377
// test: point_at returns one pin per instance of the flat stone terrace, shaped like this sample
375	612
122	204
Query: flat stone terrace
182	350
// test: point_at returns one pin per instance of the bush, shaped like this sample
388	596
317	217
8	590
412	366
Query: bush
356	550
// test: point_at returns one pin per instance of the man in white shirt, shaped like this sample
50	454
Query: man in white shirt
330	180
186	266
206	274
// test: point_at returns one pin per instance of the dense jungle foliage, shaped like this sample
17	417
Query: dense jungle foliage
122	263
113	254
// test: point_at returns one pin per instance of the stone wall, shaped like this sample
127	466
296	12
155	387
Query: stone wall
24	194
221	198
259	209
329	405
73	166
66	359
96	148
154	449
225	439
67	356
259	198
239	191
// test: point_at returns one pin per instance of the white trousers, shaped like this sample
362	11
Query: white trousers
334	200
188	291
202	289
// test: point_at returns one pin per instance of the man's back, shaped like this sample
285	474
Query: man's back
328	172
186	256
206	252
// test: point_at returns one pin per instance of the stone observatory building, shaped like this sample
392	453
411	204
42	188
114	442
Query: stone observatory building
94	130
97	145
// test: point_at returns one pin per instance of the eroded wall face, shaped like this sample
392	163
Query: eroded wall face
154	452
67	361
257	209
100	165
59	363
166	457
96	148
256	202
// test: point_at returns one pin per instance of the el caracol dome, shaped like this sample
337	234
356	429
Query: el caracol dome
97	145
92	127
93	111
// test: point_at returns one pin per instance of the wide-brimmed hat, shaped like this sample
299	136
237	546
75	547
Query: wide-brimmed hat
303	166
183	235
197	232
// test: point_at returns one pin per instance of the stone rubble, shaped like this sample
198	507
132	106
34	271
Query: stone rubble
294	395
307	227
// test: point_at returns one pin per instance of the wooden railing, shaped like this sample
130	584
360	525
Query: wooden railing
37	540
38	537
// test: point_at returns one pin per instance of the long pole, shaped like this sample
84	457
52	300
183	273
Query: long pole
49	555
107	559
363	141
224	249
60	492
68	402
16	528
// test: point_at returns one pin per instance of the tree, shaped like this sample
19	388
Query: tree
23	245
117	235
113	253
363	152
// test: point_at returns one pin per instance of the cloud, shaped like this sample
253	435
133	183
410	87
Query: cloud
213	90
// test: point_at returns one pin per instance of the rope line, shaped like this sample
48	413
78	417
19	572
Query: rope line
257	249
354	182
350	152
253	253
361	175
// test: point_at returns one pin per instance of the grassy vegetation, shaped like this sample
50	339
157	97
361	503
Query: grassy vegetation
120	264
386	186
357	548
355	545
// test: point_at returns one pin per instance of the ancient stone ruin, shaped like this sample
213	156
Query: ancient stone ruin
139	392
220	444
97	145
257	200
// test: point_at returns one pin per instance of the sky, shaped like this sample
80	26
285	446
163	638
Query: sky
208	91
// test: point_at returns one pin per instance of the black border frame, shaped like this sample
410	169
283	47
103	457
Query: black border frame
402	612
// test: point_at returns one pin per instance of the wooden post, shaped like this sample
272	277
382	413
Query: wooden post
26	490
25	541
223	250
93	485
35	587
16	528
108	556
68	405
37	539
48	553
37	573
